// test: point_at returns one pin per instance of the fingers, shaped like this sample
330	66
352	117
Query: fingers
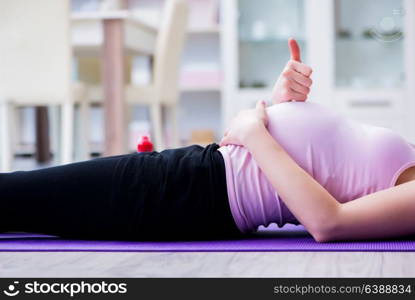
260	104
294	82
294	50
296	96
293	86
299	67
226	140
288	94
299	88
223	142
293	90
290	74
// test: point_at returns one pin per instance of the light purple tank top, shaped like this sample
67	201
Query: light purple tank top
348	158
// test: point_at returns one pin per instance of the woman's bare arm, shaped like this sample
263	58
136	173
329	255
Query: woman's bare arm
384	214
311	204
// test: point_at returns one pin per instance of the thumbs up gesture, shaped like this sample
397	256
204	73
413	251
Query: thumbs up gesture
294	82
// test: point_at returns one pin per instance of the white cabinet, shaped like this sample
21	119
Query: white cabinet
254	44
362	53
369	44
372	74
263	29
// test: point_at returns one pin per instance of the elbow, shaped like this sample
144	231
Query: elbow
322	236
325	230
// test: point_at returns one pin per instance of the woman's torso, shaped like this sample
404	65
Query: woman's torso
348	158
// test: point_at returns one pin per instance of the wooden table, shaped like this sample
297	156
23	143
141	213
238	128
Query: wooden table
110	35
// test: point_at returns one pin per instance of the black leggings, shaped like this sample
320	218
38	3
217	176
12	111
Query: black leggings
176	194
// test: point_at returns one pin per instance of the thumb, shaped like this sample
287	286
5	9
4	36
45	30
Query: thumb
261	109
224	141
294	50
260	105
226	132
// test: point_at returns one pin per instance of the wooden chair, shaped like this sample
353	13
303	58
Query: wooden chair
164	89
35	67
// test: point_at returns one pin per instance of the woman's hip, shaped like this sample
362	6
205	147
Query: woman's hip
180	194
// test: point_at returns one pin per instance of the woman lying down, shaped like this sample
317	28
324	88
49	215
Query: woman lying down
292	162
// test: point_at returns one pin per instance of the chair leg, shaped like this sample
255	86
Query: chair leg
54	130
17	130
67	133
128	119
84	136
157	126
174	126
6	156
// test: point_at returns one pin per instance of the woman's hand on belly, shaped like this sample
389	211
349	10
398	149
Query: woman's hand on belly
294	82
246	123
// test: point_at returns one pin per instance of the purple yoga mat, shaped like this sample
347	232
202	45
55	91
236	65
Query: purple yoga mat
288	238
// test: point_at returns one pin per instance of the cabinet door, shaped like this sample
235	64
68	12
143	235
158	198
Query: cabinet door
370	73
369	50
264	27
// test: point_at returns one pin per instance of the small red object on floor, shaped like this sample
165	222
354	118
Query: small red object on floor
145	145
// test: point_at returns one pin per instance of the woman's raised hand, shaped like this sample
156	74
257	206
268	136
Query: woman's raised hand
246	123
294	82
